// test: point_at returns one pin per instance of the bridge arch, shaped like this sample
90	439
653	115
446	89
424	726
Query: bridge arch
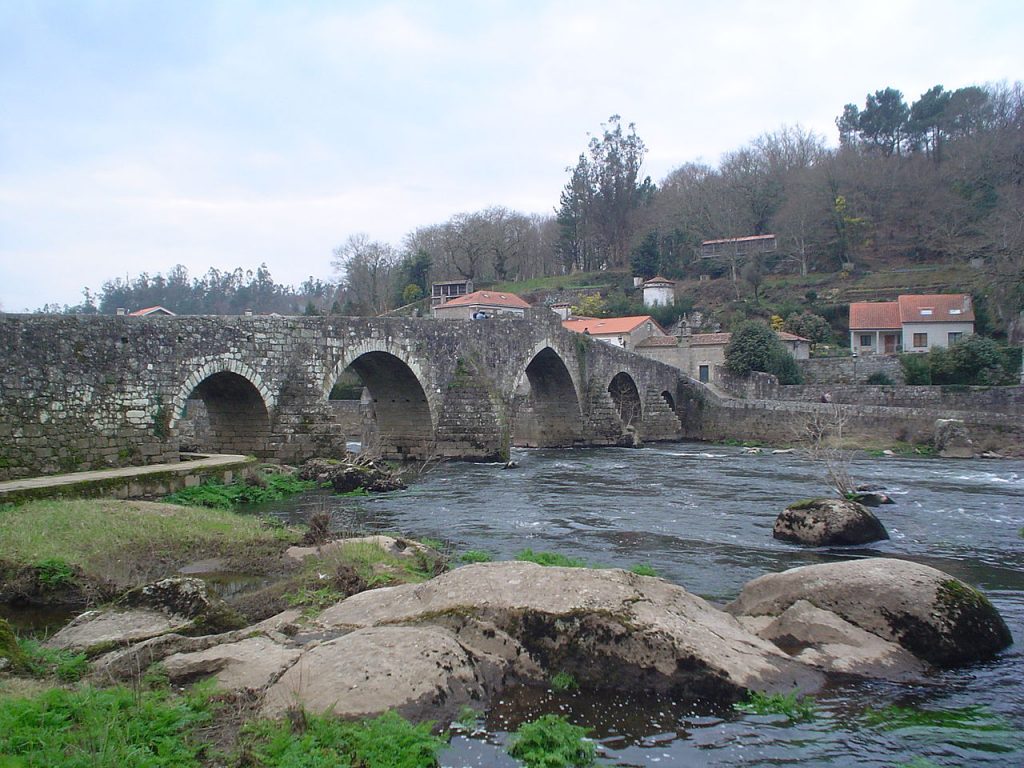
223	406
402	410
626	396
547	411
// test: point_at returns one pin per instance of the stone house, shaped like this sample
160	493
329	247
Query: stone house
625	332
699	354
481	305
912	323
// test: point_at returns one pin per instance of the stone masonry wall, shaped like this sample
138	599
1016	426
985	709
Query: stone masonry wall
850	370
82	392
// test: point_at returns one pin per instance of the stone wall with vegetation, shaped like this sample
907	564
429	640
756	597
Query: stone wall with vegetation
850	370
784	421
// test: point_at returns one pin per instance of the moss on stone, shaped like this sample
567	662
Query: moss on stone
10	651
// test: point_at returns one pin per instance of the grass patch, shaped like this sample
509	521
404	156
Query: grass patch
255	489
552	741
105	728
794	707
643	569
66	666
388	741
476	556
54	572
550	559
99	536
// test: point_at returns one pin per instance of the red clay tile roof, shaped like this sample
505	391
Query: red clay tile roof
487	298
874	315
150	311
602	326
659	280
944	308
709	339
658	341
721	339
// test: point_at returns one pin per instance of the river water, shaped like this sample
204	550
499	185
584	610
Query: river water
702	516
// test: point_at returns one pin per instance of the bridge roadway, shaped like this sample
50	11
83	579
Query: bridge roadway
93	392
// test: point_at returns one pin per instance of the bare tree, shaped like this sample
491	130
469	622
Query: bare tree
822	434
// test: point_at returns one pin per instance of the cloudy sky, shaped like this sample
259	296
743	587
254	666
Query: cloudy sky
136	135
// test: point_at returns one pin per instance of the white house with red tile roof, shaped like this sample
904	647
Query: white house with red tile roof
480	305
912	323
625	332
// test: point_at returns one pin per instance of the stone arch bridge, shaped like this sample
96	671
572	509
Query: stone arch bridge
84	392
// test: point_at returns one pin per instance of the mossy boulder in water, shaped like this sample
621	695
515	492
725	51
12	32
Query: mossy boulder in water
933	615
827	522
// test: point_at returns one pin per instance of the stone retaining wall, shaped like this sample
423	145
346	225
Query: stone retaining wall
850	370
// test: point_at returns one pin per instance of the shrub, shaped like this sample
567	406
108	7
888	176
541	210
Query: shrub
563	682
809	325
552	741
754	347
916	369
879	377
54	572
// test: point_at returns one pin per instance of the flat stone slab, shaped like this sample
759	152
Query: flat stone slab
99	628
251	663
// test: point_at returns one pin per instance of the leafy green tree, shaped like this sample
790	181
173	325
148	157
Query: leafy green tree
597	214
809	325
755	347
882	122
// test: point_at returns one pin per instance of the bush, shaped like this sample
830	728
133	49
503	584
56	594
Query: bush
974	360
552	741
916	369
755	347
809	325
879	377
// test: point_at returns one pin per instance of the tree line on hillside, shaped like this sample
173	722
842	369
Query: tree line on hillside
215	293
939	180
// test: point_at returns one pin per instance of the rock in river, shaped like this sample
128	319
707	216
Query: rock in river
824	522
934	616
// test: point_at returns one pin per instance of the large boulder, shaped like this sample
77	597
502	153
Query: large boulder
828	522
609	628
825	640
937	618
420	672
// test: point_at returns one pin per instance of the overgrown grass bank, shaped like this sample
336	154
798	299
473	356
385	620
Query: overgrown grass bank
124	541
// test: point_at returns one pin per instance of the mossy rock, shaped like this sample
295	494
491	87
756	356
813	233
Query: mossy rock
12	658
